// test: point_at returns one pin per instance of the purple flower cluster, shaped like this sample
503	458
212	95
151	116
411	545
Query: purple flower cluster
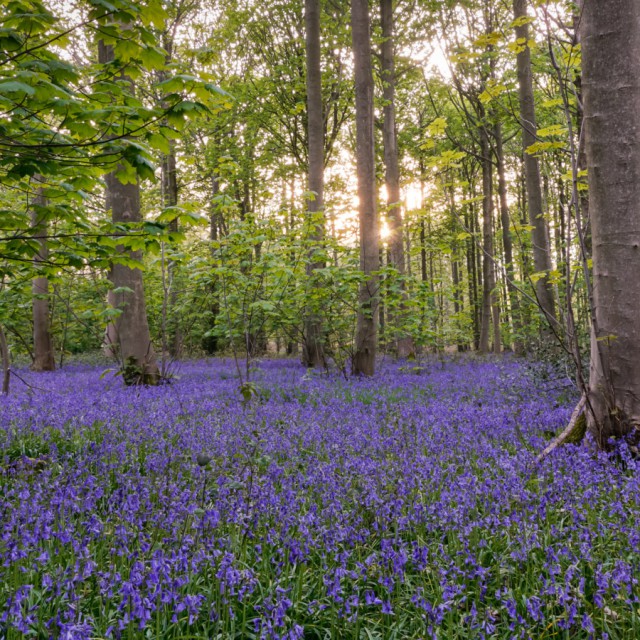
406	505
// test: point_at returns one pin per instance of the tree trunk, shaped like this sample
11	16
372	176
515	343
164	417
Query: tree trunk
611	85
43	355
382	311
458	307
423	250
6	366
490	306
472	277
313	352
540	233
210	342
170	198
505	220
366	332
583	195
423	230
403	344
134	346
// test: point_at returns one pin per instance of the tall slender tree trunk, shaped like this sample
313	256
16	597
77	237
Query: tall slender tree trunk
313	352
131	327
611	85
403	343
170	197
472	278
458	306
367	329
6	364
490	304
43	355
456	266
540	232
583	195
292	345
382	311
210	342
507	243
423	251
423	230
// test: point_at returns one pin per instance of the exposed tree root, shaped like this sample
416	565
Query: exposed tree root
573	433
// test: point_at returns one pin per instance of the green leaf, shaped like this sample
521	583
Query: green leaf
153	58
13	86
159	142
554	130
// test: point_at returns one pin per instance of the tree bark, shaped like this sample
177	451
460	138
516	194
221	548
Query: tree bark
403	344
366	331
133	340
43	355
313	352
540	232
611	86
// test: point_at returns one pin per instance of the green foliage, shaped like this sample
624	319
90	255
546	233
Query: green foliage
65	124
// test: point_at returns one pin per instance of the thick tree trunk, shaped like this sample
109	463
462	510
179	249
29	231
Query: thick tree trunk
403	343
313	352
133	340
366	332
611	85
43	355
540	232
490	305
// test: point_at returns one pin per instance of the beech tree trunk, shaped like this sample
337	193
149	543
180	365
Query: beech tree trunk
540	232
367	329
611	86
131	329
313	352
43	355
403	343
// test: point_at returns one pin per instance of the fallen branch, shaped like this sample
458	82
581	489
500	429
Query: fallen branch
567	433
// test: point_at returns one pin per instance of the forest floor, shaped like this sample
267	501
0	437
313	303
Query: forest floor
403	506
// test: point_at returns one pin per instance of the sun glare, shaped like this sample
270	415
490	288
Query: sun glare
413	197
